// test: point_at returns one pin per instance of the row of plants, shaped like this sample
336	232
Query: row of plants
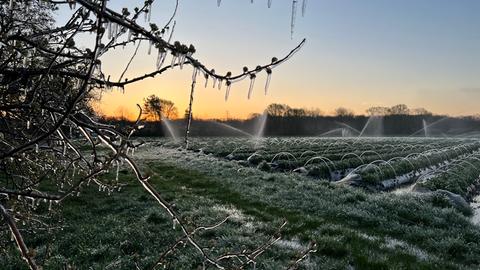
344	222
460	177
240	148
416	164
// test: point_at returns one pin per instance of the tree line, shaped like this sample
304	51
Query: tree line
283	120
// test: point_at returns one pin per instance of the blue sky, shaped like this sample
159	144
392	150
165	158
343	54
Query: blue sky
359	53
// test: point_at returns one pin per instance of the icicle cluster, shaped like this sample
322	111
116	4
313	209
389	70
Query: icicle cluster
72	4
113	30
162	54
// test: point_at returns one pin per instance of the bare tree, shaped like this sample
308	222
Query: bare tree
420	111
378	111
400	109
49	135
277	110
343	112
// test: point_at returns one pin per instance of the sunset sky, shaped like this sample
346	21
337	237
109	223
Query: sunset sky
359	53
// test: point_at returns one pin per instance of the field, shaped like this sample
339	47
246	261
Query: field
367	203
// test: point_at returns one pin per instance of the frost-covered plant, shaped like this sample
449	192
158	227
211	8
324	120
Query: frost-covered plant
51	143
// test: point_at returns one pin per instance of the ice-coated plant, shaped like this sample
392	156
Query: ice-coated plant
51	143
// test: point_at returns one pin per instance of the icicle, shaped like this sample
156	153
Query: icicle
10	5
269	4
36	148
118	170
174	223
227	92
181	60
150	47
174	58
50	205
161	58
304	7
145	13
25	60
109	29
219	84
116	29
219	2
43	112
129	35
294	15
64	149
206	80
149	12
194	75
269	78
252	83
28	124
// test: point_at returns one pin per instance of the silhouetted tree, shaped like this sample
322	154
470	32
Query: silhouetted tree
343	112
155	108
399	109
420	111
296	112
378	110
277	110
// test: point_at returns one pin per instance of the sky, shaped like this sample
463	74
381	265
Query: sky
424	53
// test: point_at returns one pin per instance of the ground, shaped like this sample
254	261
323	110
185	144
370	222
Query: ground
353	228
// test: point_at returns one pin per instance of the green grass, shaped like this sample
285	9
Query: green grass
351	227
